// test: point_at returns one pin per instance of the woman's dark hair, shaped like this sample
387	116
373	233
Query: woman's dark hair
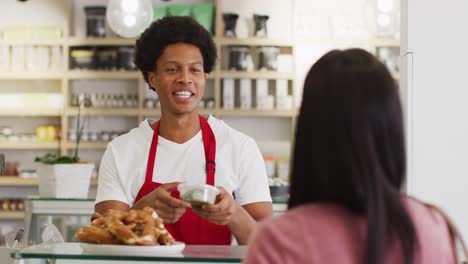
349	147
170	30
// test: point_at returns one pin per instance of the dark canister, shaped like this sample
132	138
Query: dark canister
230	20
95	21
126	58
238	57
260	25
106	58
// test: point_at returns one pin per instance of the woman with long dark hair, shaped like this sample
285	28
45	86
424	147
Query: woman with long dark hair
347	172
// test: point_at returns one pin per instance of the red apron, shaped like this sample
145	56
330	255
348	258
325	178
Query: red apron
191	228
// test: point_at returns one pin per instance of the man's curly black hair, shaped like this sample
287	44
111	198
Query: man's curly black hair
170	30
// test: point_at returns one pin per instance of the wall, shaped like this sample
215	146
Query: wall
435	96
316	22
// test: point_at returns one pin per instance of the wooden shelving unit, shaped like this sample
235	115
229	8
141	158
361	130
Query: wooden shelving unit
115	75
254	41
15	181
151	112
87	145
257	113
31	75
75	41
358	41
42	42
257	75
31	112
28	145
72	111
12	215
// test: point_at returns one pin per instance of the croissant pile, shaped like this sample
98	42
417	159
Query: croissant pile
135	227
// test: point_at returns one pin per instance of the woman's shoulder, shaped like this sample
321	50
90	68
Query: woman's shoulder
307	233
315	218
433	236
428	222
422	214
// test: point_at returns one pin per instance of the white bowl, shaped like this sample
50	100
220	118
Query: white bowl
198	194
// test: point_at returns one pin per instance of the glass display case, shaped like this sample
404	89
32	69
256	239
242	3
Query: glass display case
68	252
66	214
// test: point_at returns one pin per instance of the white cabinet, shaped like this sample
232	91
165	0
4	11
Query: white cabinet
434	90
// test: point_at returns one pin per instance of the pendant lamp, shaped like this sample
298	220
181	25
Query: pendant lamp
129	18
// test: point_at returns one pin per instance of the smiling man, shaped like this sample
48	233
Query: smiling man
145	166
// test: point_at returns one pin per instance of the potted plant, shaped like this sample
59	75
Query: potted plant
65	176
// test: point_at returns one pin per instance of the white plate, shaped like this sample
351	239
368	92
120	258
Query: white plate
125	250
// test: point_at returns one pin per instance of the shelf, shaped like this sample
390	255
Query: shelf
258	113
83	74
11	215
351	41
30	112
87	145
29	145
257	75
76	41
50	42
148	112
6	181
386	42
31	75
73	111
255	42
207	112
17	181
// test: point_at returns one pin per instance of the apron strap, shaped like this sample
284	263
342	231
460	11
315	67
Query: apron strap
152	154
209	144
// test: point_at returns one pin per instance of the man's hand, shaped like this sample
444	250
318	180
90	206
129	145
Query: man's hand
167	207
220	213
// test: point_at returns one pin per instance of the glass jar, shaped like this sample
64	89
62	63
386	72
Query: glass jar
72	136
149	103
93	136
82	59
105	136
268	58
107	59
74	100
210	103
126	58
238	57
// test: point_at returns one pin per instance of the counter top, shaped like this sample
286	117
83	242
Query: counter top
191	253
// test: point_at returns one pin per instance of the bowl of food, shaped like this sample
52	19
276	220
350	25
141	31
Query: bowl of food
198	194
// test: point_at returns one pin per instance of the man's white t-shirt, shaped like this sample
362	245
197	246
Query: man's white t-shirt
240	168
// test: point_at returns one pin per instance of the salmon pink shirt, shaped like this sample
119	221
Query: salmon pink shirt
327	233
